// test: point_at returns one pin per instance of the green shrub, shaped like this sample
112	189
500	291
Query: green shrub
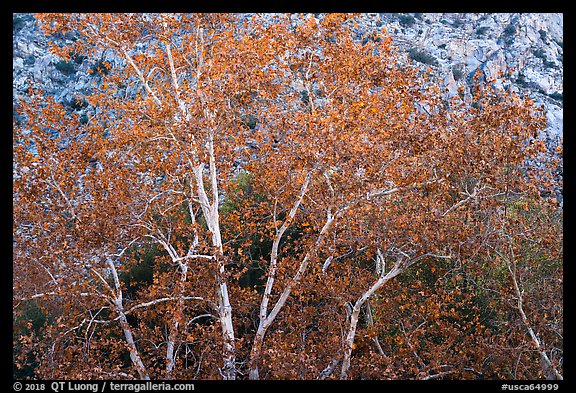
17	23
249	121
539	53
422	56
458	23
559	43
481	30
458	71
521	81
510	30
542	35
549	64
29	319
29	60
406	20
140	273
557	96
77	103
100	67
509	33
79	59
65	67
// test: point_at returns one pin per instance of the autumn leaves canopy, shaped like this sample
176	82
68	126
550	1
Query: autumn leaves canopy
270	197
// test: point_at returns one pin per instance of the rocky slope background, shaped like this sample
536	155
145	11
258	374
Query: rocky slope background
453	45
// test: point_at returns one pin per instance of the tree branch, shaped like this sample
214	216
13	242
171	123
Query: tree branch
275	246
181	104
511	265
141	77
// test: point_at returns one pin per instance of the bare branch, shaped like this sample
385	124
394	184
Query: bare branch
141	76
162	300
511	265
181	104
275	246
39	295
54	184
125	248
436	376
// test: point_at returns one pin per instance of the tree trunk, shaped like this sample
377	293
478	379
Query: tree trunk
225	314
370	321
134	355
254	373
349	343
549	370
170	356
210	211
383	279
267	319
264	317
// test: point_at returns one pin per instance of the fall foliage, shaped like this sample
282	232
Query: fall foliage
279	201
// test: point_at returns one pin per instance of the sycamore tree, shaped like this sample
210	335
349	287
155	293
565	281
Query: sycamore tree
242	195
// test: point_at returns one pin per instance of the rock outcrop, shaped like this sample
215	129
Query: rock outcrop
527	48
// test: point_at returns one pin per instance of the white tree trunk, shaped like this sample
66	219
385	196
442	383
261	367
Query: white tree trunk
403	262
547	366
370	321
210	211
170	355
134	354
349	342
267	319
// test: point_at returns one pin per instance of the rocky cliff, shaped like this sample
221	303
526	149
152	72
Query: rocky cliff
528	48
